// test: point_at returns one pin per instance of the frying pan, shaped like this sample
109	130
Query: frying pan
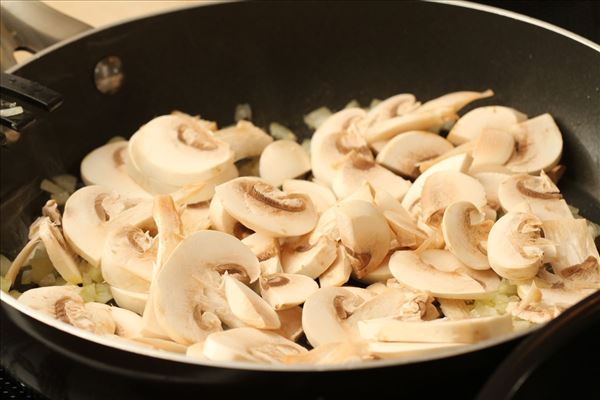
284	59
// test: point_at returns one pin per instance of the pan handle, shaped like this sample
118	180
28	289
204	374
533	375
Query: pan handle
33	26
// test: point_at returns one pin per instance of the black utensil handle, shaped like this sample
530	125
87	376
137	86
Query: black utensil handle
33	97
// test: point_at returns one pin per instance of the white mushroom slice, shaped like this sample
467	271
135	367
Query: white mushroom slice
266	249
539	192
576	254
407	232
516	249
405	151
538	145
425	120
105	166
178	149
332	141
381	274
391	107
455	100
411	270
491	180
377	288
263	208
444	188
465	148
90	213
168	224
281	160
330	353
101	316
222	221
454	308
161	344
250	345
24	255
244	139
291	323
191	312
195	217
364	233
470	125
283	291
324	314
321	196
133	301
466	232
365	193
59	252
459	163
339	272
127	323
385	350
146	182
326	227
470	330
493	147
248	306
128	258
196	351
310	260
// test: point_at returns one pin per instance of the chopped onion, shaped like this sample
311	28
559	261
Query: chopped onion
242	111
60	198
4	264
374	102
4	284
594	229
88	293
353	104
48	280
280	132
103	294
315	118
41	266
66	181
306	146
26	277
15	293
51	187
117	139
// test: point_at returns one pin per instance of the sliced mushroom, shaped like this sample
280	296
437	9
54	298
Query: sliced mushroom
195	217
146	182
326	227
244	139
330	353
491	180
105	166
391	107
459	163
454	308
178	149
470	125
332	141
59	252
516	249
91	212
411	270
24	255
222	221
470	330
576	254
324	314
444	188
408	234
161	344
405	151
281	160
408	349
170	230
538	145
197	308
455	100
465	148
250	345
424	120
248	306
133	301
465	232
493	147
339	272
102	317
263	208
310	260
540	193
364	233
283	291
321	196
127	323
291	323
267	251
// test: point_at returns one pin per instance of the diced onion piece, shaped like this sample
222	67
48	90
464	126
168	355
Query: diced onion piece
315	118
243	111
280	132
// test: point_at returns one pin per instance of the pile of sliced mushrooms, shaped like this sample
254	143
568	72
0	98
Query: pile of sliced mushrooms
377	238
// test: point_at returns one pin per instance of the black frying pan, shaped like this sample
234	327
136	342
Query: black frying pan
284	59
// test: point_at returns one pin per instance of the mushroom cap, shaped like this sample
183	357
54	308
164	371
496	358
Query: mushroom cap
244	139
358	169
179	150
321	196
146	182
331	141
538	145
281	160
364	233
470	125
465	232
539	192
491	180
493	147
455	100
310	260
411	270
187	286
283	291
402	153
424	120
133	301
446	187
391	107
44	299
263	208
59	252
339	272
195	217
248	306
385	350
105	166
250	345
291	323
515	246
